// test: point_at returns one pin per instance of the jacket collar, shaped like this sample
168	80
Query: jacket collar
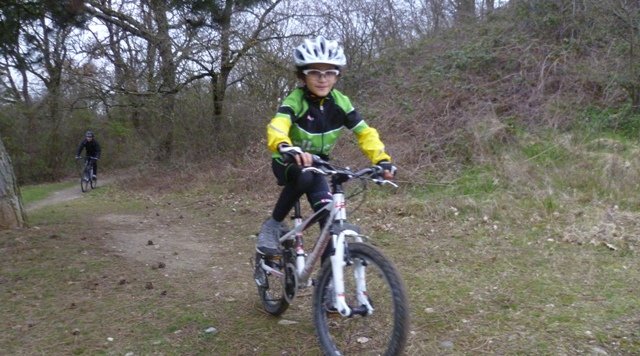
314	98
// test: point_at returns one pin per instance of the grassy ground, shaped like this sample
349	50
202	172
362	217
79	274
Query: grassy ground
34	193
536	254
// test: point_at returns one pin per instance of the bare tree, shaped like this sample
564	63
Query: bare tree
228	32
149	23
168	74
439	14
11	211
464	10
487	7
39	54
185	41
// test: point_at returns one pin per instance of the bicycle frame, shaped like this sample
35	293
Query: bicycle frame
88	165
88	168
305	264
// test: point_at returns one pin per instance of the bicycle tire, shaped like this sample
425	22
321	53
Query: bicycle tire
85	181
271	289
384	332
94	182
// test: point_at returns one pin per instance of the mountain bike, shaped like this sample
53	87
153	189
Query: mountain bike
86	176
359	300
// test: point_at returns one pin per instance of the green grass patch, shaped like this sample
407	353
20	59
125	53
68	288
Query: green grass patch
32	193
474	181
545	153
620	121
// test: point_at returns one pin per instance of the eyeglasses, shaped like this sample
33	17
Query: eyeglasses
317	73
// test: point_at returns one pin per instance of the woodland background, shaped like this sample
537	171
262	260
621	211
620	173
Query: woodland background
175	82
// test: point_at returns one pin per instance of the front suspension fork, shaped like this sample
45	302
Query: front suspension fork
339	260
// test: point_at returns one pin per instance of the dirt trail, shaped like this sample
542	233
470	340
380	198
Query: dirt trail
158	241
159	236
64	195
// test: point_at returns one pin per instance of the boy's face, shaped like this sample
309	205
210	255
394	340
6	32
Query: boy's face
320	83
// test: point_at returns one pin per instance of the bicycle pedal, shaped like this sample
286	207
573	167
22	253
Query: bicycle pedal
273	261
332	312
274	258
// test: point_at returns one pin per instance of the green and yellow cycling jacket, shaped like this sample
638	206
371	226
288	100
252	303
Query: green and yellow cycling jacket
314	124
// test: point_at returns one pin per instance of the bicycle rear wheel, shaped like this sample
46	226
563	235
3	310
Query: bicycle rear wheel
384	332
94	182
271	288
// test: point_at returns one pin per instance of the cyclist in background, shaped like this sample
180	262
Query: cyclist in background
308	123
92	148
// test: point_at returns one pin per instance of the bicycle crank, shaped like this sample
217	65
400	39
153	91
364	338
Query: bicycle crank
290	282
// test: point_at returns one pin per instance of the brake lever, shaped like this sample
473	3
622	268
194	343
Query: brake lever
315	170
384	182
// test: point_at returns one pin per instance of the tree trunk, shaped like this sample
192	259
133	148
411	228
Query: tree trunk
465	11
11	212
489	6
168	74
224	20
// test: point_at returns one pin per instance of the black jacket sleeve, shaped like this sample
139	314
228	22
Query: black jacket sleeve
80	147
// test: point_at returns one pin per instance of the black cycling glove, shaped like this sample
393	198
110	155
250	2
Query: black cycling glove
388	166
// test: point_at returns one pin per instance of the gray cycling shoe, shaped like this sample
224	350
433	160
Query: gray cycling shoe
268	243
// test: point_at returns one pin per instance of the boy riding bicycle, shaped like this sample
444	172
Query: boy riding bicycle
308	123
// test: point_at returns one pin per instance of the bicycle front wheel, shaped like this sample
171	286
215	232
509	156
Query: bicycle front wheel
85	181
384	330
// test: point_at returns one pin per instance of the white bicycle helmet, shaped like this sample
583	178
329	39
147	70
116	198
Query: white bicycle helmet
319	50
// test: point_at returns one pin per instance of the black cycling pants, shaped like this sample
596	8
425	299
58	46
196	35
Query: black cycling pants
94	164
296	183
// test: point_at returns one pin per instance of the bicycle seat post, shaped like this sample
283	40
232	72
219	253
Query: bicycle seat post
297	214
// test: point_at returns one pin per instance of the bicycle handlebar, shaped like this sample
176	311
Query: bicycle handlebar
370	173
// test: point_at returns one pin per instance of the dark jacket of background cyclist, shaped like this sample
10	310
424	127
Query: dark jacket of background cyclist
92	147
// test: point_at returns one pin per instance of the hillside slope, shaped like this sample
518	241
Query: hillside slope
530	68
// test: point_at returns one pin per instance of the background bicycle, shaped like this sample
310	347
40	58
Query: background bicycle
87	179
